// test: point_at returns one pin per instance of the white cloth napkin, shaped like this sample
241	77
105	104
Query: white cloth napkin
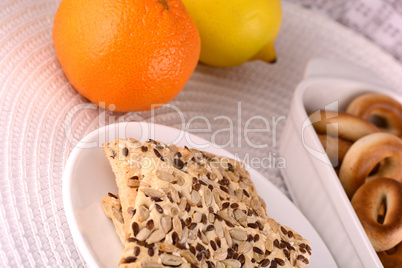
378	20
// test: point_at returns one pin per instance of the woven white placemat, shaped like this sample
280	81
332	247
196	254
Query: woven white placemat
35	100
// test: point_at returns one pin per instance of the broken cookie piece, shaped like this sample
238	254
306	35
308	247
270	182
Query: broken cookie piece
112	208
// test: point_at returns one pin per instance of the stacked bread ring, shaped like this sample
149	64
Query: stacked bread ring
365	147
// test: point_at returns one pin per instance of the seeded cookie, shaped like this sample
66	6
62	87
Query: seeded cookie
126	156
177	224
196	208
231	175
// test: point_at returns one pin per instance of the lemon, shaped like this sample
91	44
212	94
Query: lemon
235	31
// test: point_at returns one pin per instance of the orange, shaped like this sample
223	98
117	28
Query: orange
131	54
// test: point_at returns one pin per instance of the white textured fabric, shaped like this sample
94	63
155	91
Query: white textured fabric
35	98
378	20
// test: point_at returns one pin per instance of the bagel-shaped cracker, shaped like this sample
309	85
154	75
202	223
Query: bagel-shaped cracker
392	258
335	148
341	125
365	154
377	106
367	202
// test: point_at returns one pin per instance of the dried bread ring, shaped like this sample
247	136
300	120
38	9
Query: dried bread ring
341	125
381	108
335	148
367	201
365	154
392	258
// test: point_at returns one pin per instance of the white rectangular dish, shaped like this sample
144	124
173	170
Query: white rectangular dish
88	177
312	181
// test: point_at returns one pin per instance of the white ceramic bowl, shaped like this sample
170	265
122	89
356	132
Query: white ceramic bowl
313	183
88	177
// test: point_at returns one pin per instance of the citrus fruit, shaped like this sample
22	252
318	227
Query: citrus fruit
235	31
126	55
